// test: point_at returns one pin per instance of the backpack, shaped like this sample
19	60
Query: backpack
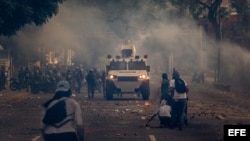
56	114
180	86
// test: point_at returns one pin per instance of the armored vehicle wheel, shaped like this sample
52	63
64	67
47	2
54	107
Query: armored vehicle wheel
145	90
109	91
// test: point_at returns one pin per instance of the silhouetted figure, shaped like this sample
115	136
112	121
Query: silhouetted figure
91	83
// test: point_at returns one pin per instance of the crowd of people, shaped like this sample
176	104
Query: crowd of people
172	110
37	79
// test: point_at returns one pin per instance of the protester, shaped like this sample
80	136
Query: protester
163	113
21	76
91	82
71	127
2	78
79	80
164	89
27	78
179	105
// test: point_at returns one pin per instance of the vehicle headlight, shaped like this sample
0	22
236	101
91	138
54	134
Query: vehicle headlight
112	76
143	76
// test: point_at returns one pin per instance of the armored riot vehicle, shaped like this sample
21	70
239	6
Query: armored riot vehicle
127	73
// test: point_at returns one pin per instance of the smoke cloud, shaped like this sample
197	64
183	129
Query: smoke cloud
169	42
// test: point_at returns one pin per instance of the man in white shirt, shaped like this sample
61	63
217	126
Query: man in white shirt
179	104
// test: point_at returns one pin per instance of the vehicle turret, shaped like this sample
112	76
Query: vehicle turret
128	50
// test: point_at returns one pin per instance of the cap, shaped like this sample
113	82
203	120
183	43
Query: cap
62	86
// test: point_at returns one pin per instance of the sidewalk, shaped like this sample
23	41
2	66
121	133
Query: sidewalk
8	96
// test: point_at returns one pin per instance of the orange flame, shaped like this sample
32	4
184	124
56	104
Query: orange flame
147	103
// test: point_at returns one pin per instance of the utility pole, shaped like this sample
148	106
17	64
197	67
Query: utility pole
219	50
201	50
171	63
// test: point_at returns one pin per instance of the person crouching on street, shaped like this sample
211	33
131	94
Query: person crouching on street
163	113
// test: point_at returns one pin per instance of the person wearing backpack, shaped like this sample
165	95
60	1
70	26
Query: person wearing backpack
179	91
62	118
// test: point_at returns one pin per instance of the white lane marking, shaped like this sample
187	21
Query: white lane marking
36	138
152	137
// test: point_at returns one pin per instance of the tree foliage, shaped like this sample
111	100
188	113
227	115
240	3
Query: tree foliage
14	14
242	7
214	11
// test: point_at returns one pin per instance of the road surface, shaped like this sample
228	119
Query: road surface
123	118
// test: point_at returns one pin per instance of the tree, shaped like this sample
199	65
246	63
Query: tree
214	12
14	14
203	8
242	8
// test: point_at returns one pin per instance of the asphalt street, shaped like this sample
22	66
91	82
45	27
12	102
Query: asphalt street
7	95
123	118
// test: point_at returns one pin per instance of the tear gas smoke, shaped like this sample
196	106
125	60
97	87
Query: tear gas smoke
167	41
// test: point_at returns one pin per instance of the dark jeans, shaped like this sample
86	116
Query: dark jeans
71	136
91	90
79	86
178	112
